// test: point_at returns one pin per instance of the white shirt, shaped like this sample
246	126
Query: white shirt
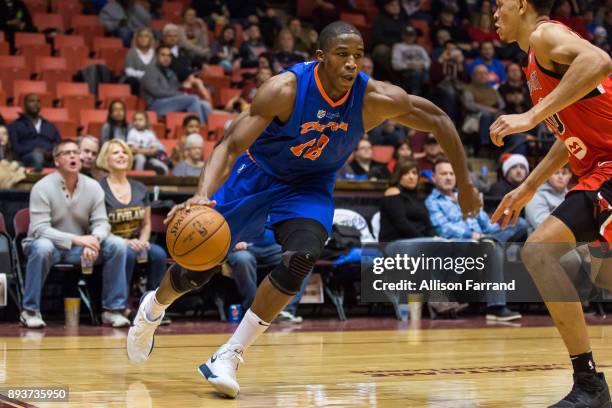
142	139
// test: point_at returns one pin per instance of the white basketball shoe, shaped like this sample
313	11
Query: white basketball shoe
220	369
141	336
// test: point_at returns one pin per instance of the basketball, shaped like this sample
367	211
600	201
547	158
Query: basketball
198	238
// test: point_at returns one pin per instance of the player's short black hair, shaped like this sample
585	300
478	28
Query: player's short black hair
333	30
543	7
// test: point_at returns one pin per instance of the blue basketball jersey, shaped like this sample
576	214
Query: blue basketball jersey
320	134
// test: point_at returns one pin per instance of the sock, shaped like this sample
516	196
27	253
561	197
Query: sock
249	329
584	363
154	309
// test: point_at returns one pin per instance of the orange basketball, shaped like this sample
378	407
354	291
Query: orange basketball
198	238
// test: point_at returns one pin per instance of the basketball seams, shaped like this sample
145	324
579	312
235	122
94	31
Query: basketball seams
186	223
210	235
214	261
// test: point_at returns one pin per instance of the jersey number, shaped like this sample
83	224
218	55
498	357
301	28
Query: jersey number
315	148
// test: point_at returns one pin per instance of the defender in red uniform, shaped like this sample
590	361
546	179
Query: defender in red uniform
570	86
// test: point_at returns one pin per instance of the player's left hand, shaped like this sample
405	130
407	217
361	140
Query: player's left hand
469	200
509	125
511	206
195	200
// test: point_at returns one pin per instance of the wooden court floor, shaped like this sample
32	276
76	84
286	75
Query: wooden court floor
454	368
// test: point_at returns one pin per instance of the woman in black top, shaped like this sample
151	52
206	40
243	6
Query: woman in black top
403	214
129	211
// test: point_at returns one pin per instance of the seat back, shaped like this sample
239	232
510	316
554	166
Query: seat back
21	222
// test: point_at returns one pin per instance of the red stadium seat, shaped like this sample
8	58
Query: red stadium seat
114	57
424	39
110	92
224	95
66	8
158	24
2	96
71	88
75	103
36	6
216	83
354	18
9	75
44	21
92	116
67	129
10	113
22	39
217	121
22	88
382	154
10	61
85	62
172	10
62	40
213	71
209	146
5	48
305	8
87	26
100	43
55	114
74	54
33	51
174	120
50	63
168	145
54	76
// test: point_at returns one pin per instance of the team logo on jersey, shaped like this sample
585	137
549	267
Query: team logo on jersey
576	147
316	126
321	114
534	83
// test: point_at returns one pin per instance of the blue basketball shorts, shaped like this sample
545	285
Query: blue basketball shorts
251	200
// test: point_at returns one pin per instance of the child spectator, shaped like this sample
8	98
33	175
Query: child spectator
116	126
192	164
145	146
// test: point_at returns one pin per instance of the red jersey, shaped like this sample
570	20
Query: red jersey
585	126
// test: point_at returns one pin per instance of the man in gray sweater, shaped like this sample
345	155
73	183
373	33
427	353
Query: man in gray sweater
160	86
68	223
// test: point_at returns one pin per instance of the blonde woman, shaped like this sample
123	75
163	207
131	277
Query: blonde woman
139	58
129	212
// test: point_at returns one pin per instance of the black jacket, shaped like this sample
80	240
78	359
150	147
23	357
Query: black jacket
404	216
24	138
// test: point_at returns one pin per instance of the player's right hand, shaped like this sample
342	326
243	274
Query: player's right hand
511	206
195	200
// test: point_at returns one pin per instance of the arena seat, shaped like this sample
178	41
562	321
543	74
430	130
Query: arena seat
10	113
158	24
22	39
36	6
67	129
110	92
172	10
174	120
382	154
74	54
209	146
89	117
354	18
217	121
22	88
66	8
224	95
9	75
88	26
44	63
44	21
5	48
63	40
168	145
55	114
33	51
2	96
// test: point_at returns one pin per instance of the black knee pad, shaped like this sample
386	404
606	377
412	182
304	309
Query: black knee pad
302	240
184	280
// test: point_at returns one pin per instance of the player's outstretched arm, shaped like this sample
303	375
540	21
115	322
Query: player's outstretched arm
386	101
275	98
554	45
513	203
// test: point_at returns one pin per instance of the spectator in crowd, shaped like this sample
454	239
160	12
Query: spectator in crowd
588	18
456	32
388	133
14	17
139	58
129	213
403	214
433	152
447	76
191	125
32	137
326	11
247	93
116	126
483	105
244	260
387	30
363	167
411	61
484	31
447	219
160	88
562	12
123	17
89	146
367	66
145	146
515	170
513	85
548	196
211	10
5	145
446	214
68	223
193	35
600	39
285	54
224	51
496	72
305	40
192	164
181	62
402	151
252	47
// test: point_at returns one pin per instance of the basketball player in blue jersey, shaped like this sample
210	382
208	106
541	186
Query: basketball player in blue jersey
276	168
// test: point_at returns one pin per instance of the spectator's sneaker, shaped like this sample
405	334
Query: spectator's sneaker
502	314
140	338
220	369
288	317
589	391
32	320
115	319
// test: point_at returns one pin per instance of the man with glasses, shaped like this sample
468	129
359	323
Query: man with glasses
68	224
